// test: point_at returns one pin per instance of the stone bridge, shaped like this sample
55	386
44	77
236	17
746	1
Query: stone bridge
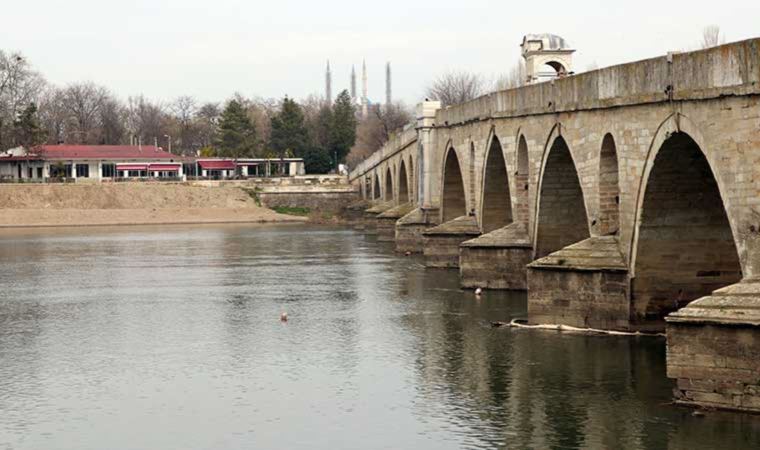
627	198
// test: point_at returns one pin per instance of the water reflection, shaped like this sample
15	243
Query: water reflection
170	338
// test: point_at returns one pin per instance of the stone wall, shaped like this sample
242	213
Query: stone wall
494	267
586	299
715	366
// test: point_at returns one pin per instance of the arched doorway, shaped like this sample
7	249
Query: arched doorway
562	218
522	180
684	246
388	194
403	184
609	188
453	201
497	203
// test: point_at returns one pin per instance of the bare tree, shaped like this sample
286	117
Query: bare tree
513	79
711	37
207	119
112	122
54	116
184	126
20	85
83	102
146	120
374	132
453	88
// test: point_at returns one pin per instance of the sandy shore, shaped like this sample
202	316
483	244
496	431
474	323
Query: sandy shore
24	218
129	204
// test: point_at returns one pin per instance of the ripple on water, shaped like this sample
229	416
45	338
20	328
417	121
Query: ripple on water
170	338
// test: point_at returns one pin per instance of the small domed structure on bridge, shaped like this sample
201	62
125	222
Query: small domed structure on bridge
547	56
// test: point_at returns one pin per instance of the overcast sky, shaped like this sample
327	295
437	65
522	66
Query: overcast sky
211	49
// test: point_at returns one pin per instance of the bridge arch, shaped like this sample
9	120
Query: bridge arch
496	202
683	244
413	179
376	193
522	180
453	196
561	217
608	197
404	195
388	193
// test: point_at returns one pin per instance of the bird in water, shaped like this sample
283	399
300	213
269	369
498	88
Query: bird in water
478	291
284	317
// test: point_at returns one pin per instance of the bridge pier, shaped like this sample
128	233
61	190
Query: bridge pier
355	213
713	349
386	221
496	260
410	227
370	216
583	285
441	243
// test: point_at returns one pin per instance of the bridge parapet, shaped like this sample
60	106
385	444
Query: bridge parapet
397	142
731	69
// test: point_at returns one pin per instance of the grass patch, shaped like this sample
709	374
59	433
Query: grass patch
292	211
254	194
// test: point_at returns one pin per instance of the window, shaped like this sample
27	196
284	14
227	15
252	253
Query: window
83	170
39	172
29	172
109	170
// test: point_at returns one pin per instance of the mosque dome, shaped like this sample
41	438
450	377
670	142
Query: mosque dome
546	42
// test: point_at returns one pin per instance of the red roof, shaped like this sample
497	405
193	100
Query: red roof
217	164
102	152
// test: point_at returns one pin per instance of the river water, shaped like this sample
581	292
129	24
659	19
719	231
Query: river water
170	338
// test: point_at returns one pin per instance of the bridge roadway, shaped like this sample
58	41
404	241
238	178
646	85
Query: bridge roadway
625	198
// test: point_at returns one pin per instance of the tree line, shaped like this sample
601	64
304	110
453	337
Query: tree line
33	112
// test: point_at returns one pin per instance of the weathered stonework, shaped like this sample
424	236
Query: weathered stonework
496	260
583	285
409	230
663	153
386	222
714	349
441	243
371	214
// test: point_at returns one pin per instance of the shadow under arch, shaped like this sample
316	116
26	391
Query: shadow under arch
388	194
496	199
522	180
608	186
404	195
376	193
453	196
683	245
561	217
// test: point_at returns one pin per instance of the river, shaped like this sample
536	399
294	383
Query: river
170	338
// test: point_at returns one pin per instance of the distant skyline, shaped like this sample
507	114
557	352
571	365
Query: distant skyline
211	50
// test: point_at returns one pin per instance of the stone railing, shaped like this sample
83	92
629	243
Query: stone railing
397	142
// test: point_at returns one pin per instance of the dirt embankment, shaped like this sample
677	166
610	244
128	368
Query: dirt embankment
128	204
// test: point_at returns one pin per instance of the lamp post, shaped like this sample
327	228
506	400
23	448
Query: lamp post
170	142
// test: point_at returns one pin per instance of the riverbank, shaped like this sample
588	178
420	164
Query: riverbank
130	204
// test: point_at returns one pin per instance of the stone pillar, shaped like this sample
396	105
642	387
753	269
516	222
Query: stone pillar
427	160
714	349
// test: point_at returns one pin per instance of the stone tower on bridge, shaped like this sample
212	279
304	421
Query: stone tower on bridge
547	56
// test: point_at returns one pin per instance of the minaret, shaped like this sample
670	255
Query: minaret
353	83
364	90
328	84
388	99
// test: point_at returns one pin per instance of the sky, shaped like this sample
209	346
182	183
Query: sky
214	48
